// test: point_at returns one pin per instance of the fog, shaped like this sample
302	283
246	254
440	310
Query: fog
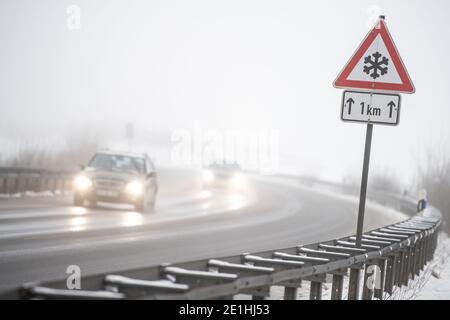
229	65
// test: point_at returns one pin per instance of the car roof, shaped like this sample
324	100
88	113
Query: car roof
123	153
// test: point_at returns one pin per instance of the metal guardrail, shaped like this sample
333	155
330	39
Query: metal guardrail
399	252
21	180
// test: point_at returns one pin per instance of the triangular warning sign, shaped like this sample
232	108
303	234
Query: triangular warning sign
376	65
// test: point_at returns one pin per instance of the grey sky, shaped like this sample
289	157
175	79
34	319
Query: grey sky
230	64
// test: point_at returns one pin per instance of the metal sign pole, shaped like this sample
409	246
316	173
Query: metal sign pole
354	281
363	191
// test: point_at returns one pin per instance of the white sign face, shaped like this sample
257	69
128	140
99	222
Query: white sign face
377	108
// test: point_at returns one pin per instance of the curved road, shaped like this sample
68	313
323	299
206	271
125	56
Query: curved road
41	236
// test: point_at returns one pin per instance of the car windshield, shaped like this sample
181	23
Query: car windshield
119	163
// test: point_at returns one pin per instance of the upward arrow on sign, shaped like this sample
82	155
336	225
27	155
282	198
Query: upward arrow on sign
350	101
376	65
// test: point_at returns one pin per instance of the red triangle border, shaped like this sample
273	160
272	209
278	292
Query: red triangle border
405	87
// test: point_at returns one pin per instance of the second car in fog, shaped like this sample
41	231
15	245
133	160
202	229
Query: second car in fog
225	176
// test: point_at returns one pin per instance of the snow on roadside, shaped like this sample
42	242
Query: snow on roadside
437	286
390	214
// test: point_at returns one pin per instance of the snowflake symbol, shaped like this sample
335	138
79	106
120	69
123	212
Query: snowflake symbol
376	65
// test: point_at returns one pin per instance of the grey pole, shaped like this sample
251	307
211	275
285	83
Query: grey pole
354	281
363	191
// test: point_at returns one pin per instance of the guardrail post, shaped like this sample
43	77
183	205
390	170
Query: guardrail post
413	261
26	183
43	183
2	185
337	287
398	268
33	183
290	293
404	271
432	240
377	276
48	182
52	183
21	183
367	292
425	251
408	264
315	291
259	293
55	182
378	293
9	184
58	182
422	252
354	284
417	258
404	277
431	251
435	240
390	273
16	184
427	244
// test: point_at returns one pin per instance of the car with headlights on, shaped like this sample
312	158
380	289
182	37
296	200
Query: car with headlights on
117	177
224	175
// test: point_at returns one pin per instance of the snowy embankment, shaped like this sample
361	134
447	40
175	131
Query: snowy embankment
436	283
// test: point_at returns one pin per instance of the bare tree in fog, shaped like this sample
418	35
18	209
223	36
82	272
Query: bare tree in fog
434	176
385	181
77	150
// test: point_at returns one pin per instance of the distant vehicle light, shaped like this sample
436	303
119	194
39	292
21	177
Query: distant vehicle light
136	188
208	176
82	182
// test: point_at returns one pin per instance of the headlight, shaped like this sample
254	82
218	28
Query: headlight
82	182
136	188
238	180
208	176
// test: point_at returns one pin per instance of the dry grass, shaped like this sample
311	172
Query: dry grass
77	150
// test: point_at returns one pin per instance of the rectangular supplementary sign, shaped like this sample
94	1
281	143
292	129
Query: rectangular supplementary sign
376	108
